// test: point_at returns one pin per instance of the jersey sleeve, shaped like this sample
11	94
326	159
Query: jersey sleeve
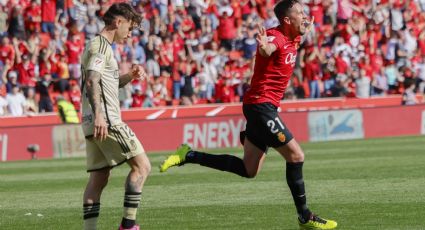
97	56
276	39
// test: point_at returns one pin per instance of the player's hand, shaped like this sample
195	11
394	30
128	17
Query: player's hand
261	36
310	25
137	72
100	128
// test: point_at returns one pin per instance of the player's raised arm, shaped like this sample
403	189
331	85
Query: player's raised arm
264	47
94	93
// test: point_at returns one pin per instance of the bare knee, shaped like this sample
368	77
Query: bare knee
97	182
99	179
105	179
140	167
297	156
292	151
146	168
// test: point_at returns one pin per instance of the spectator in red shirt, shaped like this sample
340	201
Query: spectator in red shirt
75	95
7	53
376	61
367	66
62	81
178	45
219	84
246	8
312	72
48	16
73	51
138	99
227	30
187	23
25	68
316	11
227	92
32	17
341	67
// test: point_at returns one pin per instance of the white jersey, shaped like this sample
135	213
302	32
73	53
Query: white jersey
98	56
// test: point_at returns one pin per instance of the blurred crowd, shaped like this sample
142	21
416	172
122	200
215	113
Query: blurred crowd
202	51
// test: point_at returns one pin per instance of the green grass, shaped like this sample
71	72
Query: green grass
363	184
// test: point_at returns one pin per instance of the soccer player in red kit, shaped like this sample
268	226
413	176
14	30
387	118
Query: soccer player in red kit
274	64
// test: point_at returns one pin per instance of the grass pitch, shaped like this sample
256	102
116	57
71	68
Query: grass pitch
363	184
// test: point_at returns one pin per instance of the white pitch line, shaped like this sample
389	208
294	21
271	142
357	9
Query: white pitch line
215	111
155	115
174	114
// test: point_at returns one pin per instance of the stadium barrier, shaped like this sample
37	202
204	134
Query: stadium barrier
216	126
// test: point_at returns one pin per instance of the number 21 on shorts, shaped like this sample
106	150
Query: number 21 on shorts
272	125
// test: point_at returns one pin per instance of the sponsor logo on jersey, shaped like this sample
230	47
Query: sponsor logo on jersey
290	58
98	62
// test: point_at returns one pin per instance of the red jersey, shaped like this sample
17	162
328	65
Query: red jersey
48	10
271	74
7	53
73	50
29	15
26	74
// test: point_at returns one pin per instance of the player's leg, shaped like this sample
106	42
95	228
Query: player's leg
223	162
294	157
140	169
253	158
99	170
279	137
91	201
247	167
126	147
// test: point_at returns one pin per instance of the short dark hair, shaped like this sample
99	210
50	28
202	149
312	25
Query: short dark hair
124	10
282	7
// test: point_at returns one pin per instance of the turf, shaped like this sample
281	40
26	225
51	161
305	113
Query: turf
363	184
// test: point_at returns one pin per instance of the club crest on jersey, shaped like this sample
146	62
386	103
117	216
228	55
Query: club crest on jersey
281	137
133	145
270	38
290	58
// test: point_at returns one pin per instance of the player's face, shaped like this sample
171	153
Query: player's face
124	28
298	19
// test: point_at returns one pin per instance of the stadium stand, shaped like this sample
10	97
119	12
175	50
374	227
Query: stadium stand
201	51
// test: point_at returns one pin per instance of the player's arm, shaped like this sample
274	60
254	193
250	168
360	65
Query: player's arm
136	72
94	93
125	79
265	48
